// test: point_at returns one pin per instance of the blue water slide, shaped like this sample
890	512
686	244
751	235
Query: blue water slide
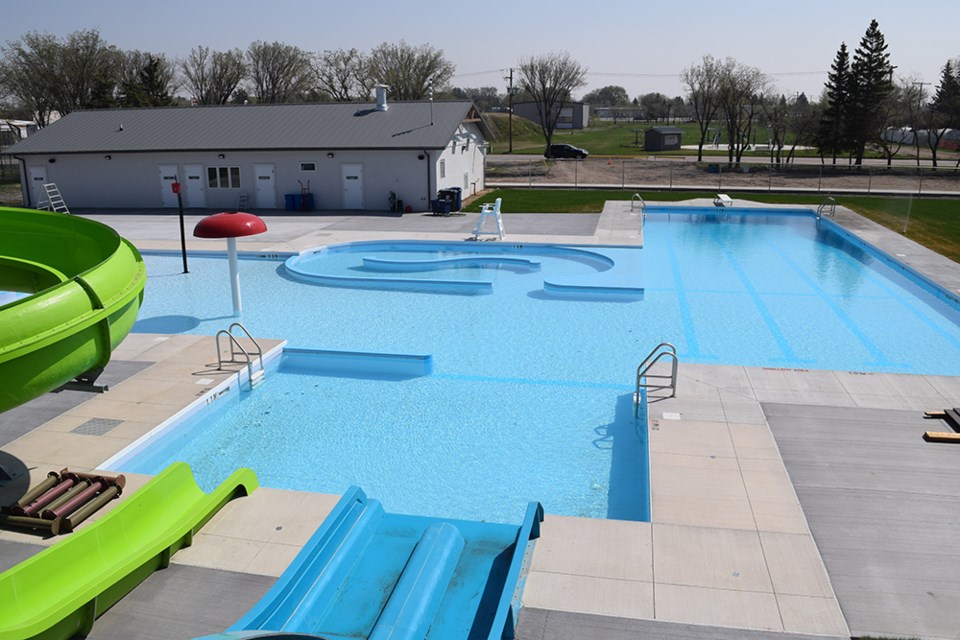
366	573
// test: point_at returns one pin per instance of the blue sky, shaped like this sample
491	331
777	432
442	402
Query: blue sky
639	44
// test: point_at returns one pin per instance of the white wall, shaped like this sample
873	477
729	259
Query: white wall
464	155
133	180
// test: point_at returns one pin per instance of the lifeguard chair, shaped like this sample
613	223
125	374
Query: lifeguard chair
489	211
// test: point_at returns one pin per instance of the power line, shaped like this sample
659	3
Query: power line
642	75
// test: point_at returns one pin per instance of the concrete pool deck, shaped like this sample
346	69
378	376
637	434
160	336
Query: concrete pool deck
729	546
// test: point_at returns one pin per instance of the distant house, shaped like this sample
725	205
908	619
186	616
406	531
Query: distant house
348	156
573	115
662	138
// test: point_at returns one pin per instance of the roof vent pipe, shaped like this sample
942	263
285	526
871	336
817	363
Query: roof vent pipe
382	97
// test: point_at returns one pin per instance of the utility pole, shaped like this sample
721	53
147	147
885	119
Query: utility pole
510	107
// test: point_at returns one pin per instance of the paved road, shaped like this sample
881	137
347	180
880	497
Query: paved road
949	164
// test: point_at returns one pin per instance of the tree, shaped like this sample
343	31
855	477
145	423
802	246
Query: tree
279	72
802	122
343	75
550	79
703	84
409	71
609	96
832	133
146	80
741	89
944	111
897	110
28	65
485	98
776	113
212	78
871	82
48	75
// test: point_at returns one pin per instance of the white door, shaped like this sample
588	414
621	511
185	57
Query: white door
266	192
37	177
351	177
195	186
168	175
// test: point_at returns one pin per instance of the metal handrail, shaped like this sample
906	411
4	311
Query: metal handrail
662	350
634	198
828	203
237	349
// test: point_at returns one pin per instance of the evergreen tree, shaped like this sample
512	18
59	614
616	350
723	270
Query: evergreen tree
831	135
870	84
944	110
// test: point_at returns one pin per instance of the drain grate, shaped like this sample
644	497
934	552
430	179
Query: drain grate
97	426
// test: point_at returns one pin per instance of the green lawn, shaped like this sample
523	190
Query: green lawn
933	222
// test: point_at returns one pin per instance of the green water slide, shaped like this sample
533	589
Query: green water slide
59	592
84	284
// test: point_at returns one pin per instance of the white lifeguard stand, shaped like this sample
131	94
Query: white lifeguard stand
489	211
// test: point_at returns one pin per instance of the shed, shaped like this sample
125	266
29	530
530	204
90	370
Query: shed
662	138
347	156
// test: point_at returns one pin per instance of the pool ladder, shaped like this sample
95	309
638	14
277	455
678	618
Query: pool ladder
236	349
644	377
827	208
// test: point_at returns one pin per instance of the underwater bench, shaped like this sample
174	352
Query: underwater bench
59	592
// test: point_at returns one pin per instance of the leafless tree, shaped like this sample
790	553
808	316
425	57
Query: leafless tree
550	79
740	90
894	116
703	85
409	70
47	74
279	72
212	77
342	75
776	115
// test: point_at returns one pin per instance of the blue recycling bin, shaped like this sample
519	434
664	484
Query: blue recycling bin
290	201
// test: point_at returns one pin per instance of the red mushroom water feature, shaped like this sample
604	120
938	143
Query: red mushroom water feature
231	225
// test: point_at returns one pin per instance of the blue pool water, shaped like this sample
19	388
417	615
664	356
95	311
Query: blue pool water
530	398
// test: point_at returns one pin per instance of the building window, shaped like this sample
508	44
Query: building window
443	168
308	166
223	177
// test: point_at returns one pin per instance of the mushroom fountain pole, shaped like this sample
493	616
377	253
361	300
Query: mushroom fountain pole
231	225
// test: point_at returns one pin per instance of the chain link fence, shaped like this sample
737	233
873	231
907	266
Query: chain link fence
680	175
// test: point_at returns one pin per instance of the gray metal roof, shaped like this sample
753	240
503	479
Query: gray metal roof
404	125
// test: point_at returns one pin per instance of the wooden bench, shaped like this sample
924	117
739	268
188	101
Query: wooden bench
723	200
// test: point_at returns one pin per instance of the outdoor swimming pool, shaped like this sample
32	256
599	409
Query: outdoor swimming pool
530	389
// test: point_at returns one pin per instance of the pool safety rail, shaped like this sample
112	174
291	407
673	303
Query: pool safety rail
827	208
647	380
61	501
254	377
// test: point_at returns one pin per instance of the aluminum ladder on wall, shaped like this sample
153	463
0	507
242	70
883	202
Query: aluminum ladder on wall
647	380
54	199
255	377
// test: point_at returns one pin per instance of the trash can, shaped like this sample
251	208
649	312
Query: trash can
441	206
306	203
290	201
454	195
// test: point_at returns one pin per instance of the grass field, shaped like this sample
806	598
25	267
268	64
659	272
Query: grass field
932	222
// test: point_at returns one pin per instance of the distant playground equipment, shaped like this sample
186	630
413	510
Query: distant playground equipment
489	211
58	593
366	573
84	284
231	225
61	501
